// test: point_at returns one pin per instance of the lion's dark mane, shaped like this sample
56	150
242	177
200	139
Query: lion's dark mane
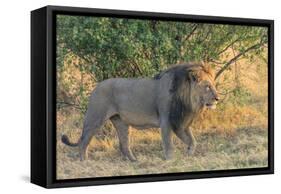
180	109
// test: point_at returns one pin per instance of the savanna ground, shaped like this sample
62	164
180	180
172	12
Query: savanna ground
242	148
233	136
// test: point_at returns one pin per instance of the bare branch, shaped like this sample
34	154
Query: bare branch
135	65
253	47
191	33
69	104
227	47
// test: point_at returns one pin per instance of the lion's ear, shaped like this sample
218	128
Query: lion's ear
193	76
208	69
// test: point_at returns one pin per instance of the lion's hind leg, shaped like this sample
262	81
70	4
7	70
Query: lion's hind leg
93	122
86	137
123	135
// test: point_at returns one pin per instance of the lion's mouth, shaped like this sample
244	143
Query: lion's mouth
211	105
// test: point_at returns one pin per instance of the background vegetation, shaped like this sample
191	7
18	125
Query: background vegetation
91	49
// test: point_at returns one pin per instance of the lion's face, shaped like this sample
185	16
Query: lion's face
204	91
208	94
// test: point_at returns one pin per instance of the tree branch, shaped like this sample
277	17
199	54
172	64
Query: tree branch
223	50
135	65
237	57
191	33
183	42
69	104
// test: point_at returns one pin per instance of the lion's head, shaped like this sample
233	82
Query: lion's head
203	91
192	89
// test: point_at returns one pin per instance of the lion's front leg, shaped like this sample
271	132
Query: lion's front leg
187	137
167	141
192	143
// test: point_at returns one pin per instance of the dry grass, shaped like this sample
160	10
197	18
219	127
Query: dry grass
229	137
218	148
228	120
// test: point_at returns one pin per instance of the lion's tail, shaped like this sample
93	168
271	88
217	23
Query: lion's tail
66	141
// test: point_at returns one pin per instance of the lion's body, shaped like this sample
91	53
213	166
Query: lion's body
165	102
134	100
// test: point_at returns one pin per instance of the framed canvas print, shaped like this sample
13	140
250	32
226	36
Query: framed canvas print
125	96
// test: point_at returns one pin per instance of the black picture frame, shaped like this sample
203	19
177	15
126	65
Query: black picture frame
43	96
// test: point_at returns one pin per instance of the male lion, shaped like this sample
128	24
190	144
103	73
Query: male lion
171	100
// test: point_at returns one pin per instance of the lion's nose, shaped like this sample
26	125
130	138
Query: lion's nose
217	98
